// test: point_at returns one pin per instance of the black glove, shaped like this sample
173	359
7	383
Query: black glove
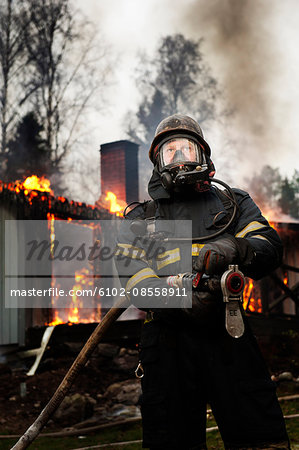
215	257
204	306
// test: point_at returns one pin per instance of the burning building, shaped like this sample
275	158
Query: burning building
271	303
34	200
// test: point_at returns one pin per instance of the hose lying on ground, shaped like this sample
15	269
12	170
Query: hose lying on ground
132	421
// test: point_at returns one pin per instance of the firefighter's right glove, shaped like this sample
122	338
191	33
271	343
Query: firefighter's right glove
215	257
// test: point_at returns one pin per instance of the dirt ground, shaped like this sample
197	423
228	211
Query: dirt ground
17	411
22	398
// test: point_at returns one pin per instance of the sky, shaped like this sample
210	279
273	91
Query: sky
251	47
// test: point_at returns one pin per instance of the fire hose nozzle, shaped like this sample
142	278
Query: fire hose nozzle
232	286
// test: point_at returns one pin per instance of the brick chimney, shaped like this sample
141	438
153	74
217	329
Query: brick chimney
119	170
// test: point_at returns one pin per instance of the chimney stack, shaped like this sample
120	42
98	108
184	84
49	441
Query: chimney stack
119	170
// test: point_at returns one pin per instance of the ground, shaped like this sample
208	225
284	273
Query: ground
17	412
134	433
42	385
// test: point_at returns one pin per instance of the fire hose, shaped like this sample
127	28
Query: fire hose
64	387
232	286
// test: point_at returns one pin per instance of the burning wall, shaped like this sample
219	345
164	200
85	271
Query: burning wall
34	199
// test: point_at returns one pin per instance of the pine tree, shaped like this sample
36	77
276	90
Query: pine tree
28	154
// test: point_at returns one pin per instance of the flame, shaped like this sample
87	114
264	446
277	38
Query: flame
56	320
51	219
286	279
275	216
255	305
39	184
247	292
249	301
29	187
71	315
81	282
115	207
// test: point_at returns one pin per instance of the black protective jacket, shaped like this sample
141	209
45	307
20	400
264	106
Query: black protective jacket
138	269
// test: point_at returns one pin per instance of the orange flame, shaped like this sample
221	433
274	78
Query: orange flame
82	281
30	186
286	279
115	207
247	292
38	184
249	301
56	320
72	314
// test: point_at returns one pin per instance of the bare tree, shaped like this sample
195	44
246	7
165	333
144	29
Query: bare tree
11	63
62	66
52	63
176	79
46	39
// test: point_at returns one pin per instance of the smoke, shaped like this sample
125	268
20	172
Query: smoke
251	46
239	43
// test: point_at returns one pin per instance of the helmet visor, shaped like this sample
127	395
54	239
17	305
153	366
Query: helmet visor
178	150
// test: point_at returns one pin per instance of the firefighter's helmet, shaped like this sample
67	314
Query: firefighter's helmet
177	124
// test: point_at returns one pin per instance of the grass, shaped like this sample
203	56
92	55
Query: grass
117	434
134	432
214	441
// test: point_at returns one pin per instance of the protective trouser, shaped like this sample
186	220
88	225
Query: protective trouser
185	368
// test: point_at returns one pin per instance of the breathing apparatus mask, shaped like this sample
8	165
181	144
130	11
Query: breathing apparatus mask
182	162
181	154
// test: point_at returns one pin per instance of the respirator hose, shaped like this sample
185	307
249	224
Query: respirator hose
224	228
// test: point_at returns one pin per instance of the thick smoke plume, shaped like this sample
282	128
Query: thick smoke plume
238	41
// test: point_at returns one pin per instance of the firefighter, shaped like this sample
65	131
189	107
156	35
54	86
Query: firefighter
187	357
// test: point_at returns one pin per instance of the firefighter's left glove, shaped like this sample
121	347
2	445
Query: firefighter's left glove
215	257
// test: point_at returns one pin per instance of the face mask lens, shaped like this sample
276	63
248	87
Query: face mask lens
180	150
